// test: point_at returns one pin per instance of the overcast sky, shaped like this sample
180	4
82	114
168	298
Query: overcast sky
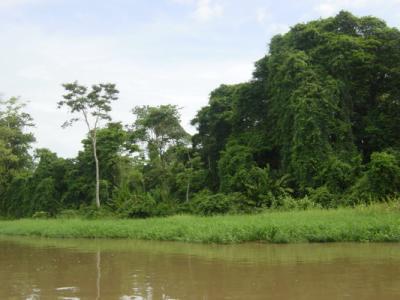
157	52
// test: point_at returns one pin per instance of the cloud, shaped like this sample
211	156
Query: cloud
167	56
330	7
183	1
4	4
41	62
266	20
204	10
262	15
207	9
326	9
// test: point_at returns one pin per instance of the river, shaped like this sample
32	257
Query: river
35	268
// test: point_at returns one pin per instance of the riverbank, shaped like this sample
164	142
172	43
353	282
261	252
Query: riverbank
370	224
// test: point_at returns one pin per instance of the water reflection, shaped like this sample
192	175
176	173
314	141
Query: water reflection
98	262
104	269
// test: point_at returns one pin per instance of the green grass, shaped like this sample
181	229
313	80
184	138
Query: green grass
372	224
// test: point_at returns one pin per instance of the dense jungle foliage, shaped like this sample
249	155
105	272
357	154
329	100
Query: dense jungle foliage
317	125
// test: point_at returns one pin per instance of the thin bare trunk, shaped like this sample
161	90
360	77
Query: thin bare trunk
190	177
187	190
97	171
93	135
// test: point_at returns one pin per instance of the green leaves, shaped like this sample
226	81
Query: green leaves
159	127
315	122
95	102
321	101
15	141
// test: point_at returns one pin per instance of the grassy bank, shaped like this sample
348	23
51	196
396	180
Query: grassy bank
373	224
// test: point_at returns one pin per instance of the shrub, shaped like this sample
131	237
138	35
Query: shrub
306	203
138	206
338	175
258	186
287	203
205	203
323	197
384	174
41	215
165	208
380	180
243	204
235	162
119	196
92	212
69	214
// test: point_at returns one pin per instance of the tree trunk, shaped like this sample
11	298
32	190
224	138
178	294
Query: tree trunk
97	171
190	177
187	190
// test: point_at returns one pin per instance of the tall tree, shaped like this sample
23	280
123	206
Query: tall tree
15	143
159	129
93	106
114	150
14	140
214	125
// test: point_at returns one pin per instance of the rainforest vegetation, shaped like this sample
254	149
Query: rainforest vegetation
318	125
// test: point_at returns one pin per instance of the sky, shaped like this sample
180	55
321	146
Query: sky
156	52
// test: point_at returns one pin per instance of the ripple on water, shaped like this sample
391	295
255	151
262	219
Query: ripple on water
72	289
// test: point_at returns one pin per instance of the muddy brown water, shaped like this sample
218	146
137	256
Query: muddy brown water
34	268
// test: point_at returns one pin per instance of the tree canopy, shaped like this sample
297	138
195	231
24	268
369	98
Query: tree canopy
317	125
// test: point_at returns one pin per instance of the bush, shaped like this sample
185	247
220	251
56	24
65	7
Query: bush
138	206
338	175
233	166
119	196
165	208
92	212
243	204
323	197
206	204
287	203
41	215
185	207
258	186
306	203
384	174
69	214
380	181
239	174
